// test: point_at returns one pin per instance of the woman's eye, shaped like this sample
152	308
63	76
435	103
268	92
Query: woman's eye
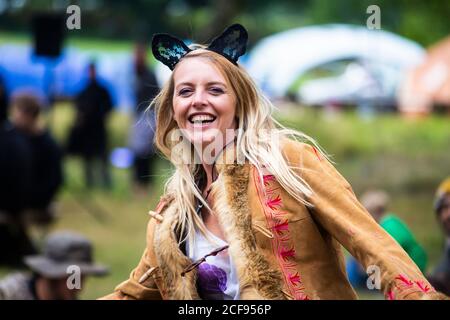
215	90
184	92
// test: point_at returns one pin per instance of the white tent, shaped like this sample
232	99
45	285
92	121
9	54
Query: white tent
278	60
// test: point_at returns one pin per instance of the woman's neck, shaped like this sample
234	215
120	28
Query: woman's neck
209	167
210	171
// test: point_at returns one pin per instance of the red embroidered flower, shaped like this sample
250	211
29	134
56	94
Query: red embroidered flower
267	178
405	280
281	227
274	203
422	286
287	253
294	278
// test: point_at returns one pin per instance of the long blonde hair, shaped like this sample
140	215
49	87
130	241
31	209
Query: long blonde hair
256	130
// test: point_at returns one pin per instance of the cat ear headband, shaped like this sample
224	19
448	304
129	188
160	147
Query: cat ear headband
231	44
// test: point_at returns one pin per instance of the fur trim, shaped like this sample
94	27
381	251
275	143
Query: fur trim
172	261
231	204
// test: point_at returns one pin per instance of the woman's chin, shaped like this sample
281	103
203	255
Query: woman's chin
202	142
204	137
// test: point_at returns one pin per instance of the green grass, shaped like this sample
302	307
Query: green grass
80	42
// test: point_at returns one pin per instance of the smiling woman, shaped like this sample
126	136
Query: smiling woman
266	218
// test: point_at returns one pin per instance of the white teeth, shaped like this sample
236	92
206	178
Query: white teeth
201	118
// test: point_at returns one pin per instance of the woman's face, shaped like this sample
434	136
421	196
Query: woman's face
204	105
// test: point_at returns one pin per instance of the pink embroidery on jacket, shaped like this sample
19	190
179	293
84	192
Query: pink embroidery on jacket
281	242
294	278
390	295
405	280
267	178
274	203
422	286
282	227
287	253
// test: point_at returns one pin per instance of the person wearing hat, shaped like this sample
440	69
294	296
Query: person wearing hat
64	254
376	202
440	277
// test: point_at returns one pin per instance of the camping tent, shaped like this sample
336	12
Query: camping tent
278	60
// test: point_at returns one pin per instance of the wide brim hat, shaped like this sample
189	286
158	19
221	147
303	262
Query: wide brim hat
65	252
54	269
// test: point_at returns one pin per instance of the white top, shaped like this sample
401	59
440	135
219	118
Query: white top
217	277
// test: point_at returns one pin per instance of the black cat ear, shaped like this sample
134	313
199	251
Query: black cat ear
232	43
169	50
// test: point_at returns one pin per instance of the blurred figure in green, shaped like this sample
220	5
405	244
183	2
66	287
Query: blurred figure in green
440	278
376	202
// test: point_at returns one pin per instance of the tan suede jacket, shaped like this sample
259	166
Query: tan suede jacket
281	248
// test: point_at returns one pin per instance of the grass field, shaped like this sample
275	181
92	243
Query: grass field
407	158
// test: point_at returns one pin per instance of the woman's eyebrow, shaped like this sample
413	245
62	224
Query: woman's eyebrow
216	83
186	83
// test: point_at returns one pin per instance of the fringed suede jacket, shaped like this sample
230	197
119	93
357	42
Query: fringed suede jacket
281	248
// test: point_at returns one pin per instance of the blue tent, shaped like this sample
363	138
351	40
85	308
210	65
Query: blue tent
66	75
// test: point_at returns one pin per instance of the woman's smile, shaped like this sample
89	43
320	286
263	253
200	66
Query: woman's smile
202	120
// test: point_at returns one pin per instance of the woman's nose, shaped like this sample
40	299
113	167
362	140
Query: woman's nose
199	98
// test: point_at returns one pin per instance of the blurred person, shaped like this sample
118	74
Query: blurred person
46	159
50	275
376	202
88	137
3	102
440	277
142	132
250	211
15	176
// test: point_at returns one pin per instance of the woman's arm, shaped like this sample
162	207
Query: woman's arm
337	209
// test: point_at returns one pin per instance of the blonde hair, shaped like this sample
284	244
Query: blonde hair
256	130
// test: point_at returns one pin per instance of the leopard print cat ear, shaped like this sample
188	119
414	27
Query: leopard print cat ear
232	43
168	49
